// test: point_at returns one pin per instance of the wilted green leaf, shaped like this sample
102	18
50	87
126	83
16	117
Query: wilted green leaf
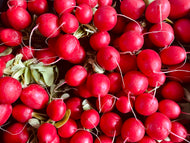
35	75
27	76
6	52
18	73
64	120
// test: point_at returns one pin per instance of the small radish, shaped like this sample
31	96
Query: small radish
147	139
6	58
68	129
91	3
56	140
132	9
135	83
173	90
146	104
83	91
10	37
18	3
6	110
99	40
157	11
103	139
84	13
157	79
120	25
82	137
46	133
158	126
56	109
161	34
131	41
123	104
166	141
133	26
62	6
115	82
108	58
132	130
27	52
10	90
34	96
110	124
105	18
170	108
2	67
38	6
19	18
105	2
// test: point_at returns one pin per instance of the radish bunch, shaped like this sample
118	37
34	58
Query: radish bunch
95	71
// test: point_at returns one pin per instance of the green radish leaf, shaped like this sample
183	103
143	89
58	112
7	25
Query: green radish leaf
35	75
27	76
18	73
86	105
64	120
34	123
7	51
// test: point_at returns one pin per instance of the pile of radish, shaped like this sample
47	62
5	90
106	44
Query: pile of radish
95	71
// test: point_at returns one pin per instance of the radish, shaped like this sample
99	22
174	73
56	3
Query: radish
105	18
7	58
90	119
99	40
147	139
157	11
161	34
56	140
82	137
10	37
158	126
84	13
157	79
115	82
131	41
135	83
170	108
149	62
103	139
2	67
17	3
108	58
27	52
105	2
123	104
38	6
34	96
110	124
91	3
146	104
10	90
181	27
166	141
68	129
173	90
134	26
46	133
62	6
132	9
19	18
120	25
83	91
56	109
16	132
6	110
132	130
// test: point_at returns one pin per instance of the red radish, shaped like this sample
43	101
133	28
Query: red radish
181	27
82	137
17	132
157	11
161	34
47	24
157	79
46	133
179	8
56	109
90	119
99	40
108	58
34	96
120	25
56	140
76	75
110	124
147	139
115	82
158	126
149	62
133	26
179	130
132	9
68	22
173	90
170	108
91	3
131	41
103	139
127	63
105	18
135	83
2	67
38	6
98	84
10	90
66	46
62	6
19	18
68	129
83	91
7	58
6	110
123	104
105	2
166	141
10	37
51	43
27	52
75	105
106	103
84	13
132	130
146	104
18	3
173	55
